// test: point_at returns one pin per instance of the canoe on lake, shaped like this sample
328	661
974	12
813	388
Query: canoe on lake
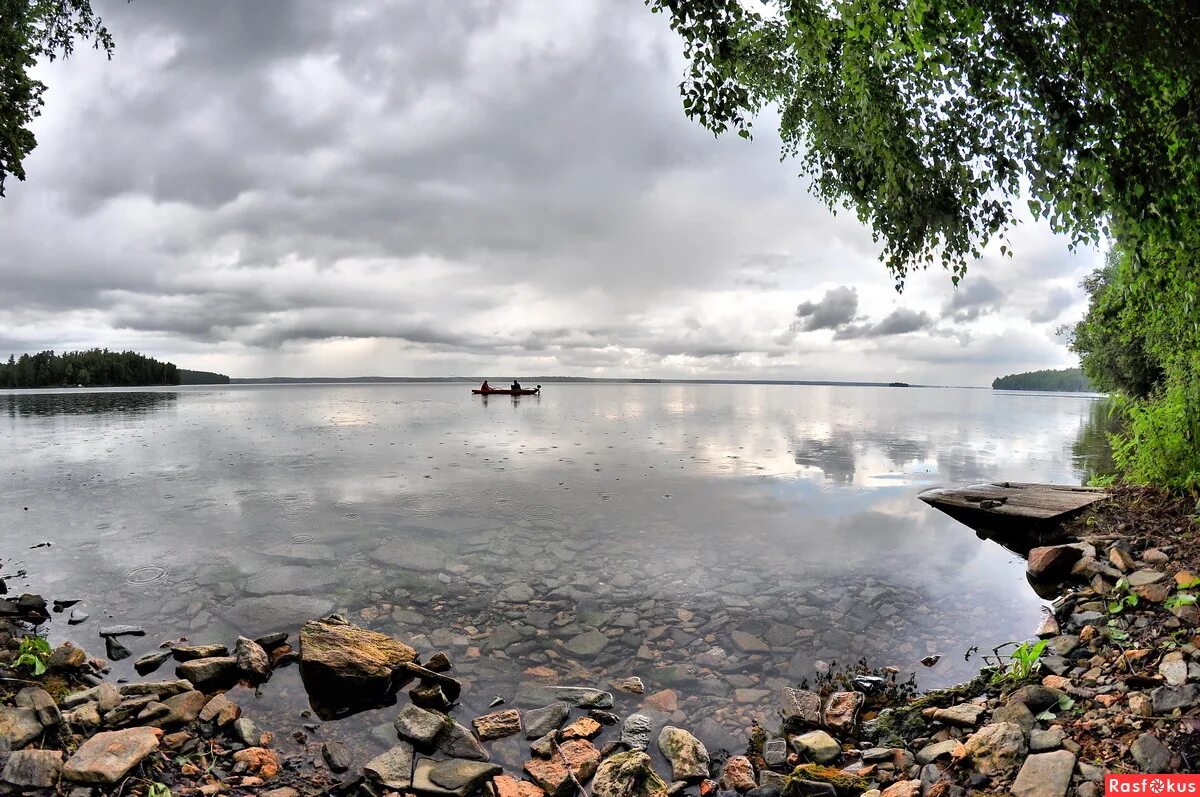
506	392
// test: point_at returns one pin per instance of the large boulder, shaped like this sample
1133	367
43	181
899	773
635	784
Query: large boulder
997	750
347	667
1052	560
629	774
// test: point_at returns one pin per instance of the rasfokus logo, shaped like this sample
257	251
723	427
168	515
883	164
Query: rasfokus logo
1152	784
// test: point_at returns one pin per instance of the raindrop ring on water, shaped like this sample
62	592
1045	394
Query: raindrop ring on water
605	496
145	575
301	539
427	502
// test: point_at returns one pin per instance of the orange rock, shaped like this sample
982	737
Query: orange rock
667	700
1087	633
259	760
582	728
508	786
1056	682
738	774
541	671
708	787
553	775
904	788
1184	577
1108	700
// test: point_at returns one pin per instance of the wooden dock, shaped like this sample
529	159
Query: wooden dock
1013	501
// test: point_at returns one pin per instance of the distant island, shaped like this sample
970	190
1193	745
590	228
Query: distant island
1066	380
97	368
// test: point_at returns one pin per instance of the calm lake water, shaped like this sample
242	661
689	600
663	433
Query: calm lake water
597	530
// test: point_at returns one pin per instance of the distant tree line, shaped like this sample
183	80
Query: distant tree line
1070	380
187	377
90	368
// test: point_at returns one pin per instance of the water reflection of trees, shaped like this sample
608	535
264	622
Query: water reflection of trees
1092	452
83	403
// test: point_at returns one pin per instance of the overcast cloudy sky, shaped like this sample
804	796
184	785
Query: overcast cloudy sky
471	188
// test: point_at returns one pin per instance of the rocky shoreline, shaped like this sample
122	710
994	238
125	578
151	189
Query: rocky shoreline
1113	686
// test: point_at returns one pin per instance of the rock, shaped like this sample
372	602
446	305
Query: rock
666	701
635	731
540	721
498	725
151	661
931	752
841	711
1143	578
430	697
587	644
457	742
1121	558
122	630
246	731
738	774
1173	668
221	710
1140	705
1166	699
544	747
818	746
258	761
33	769
1017	713
208	674
461	777
109	756
629	774
182	709
903	788
77	617
996	749
87	716
508	786
1048	627
1043	741
748	643
336	756
393	769
964	715
1045	775
1151	754
419	726
337	656
1050	561
43	705
582	728
631	684
18	726
577	757
1037	698
800	707
439	662
67	657
688	756
775	752
581	696
251	658
114	650
190	652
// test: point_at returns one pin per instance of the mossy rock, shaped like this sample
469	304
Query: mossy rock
897	726
844	783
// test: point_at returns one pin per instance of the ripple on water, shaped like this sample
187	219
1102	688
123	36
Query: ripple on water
427	503
296	506
146	574
603	495
540	511
301	539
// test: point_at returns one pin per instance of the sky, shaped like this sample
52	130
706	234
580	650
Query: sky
478	188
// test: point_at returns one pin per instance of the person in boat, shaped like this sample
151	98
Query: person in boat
485	386
516	386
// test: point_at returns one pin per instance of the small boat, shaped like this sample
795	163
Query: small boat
492	391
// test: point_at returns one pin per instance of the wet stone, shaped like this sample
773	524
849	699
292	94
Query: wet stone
419	726
582	728
635	731
775	752
577	758
458	742
687	754
581	696
210	672
151	661
841	711
818	746
392	769
336	756
122	630
628	774
498	725
190	652
460	776
800	707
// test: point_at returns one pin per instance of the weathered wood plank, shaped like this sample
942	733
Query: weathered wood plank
1014	500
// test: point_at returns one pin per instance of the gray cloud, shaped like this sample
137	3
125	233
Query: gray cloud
1056	301
835	309
900	321
974	297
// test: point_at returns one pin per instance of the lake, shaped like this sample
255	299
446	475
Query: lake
595	531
